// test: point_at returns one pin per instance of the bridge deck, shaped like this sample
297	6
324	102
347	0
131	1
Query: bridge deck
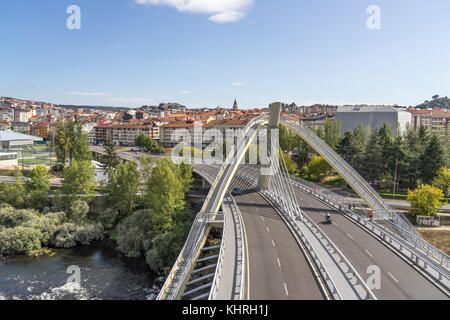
399	280
277	267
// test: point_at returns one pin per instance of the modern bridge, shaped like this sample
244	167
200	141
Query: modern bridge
275	246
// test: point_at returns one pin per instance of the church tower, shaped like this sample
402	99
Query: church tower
235	106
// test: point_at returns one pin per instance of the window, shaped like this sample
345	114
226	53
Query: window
8	157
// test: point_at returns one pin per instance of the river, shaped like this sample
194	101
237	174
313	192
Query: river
105	274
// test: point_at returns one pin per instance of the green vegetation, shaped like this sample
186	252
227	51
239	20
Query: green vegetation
426	200
317	169
147	144
336	182
110	159
436	102
148	210
79	180
23	231
442	180
71	143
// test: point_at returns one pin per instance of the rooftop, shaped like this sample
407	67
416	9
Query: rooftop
15	136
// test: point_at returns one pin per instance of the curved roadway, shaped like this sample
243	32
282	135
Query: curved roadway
399	280
277	267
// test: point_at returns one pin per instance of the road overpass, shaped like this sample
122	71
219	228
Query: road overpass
282	247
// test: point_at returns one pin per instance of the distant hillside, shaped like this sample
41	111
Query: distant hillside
436	102
116	109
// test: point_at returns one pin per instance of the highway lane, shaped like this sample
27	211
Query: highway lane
399	280
277	267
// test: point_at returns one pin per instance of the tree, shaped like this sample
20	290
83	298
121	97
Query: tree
318	168
79	180
332	132
290	165
110	159
134	234
123	188
80	145
373	159
71	143
442	179
63	144
165	194
147	144
39	179
426	200
186	175
14	194
432	159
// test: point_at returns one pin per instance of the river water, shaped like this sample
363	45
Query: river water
105	274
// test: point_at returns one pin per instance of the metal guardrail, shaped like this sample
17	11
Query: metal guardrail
352	277
230	204
407	249
398	221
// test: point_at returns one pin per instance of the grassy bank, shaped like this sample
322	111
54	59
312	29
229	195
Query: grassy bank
438	238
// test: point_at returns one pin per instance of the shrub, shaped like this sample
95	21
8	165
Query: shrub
10	217
108	218
426	200
19	240
134	234
78	210
70	234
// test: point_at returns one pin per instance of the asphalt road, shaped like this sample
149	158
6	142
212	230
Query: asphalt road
399	280
277	267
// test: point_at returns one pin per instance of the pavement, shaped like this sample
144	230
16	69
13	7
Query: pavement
277	267
399	281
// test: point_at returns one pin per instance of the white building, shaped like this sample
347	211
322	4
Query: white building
8	159
375	116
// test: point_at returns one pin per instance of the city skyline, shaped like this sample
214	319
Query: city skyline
133	52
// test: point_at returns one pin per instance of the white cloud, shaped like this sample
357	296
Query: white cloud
237	84
91	94
185	92
221	11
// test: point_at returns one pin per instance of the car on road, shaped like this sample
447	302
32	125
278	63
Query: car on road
236	192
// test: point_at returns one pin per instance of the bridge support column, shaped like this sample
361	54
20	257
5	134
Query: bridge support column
274	122
205	183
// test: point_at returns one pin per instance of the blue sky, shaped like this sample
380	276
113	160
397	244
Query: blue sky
204	53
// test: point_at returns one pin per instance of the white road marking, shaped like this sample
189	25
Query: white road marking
390	274
267	229
285	288
350	236
273	243
279	263
262	218
335	224
371	255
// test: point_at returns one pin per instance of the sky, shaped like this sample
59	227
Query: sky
206	53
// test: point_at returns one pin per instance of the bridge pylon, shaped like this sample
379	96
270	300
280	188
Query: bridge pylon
274	122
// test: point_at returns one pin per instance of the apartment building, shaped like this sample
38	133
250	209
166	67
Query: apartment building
6	114
125	134
436	120
42	130
173	133
103	132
